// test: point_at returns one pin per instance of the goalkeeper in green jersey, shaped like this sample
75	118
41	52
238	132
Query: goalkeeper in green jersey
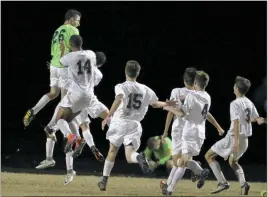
158	152
58	74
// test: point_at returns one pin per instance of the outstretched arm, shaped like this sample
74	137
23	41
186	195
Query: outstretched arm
212	120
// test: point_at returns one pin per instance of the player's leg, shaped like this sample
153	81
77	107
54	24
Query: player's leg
133	157
54	92
210	156
233	161
108	165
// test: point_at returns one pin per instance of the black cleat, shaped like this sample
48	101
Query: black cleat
203	176
143	163
97	154
50	133
164	187
103	183
79	145
245	189
195	177
169	193
221	187
28	117
71	139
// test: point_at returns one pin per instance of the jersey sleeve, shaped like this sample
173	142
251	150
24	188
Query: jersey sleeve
148	154
119	90
254	113
234	112
188	103
98	76
65	59
152	96
173	95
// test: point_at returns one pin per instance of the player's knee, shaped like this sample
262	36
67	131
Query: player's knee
208	157
84	127
53	94
169	164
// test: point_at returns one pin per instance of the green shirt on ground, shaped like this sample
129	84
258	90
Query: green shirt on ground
63	33
163	154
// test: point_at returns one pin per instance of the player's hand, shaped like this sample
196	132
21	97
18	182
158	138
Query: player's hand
261	120
168	108
165	134
171	103
104	122
62	46
221	131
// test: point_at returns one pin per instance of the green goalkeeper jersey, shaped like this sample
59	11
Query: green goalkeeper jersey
163	154
63	33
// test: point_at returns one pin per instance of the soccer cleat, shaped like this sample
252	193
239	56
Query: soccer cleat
169	193
71	140
69	177
164	187
143	163
97	154
28	117
50	133
220	188
195	177
79	145
245	189
203	176
46	164
103	183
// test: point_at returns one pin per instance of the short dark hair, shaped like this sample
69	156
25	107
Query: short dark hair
242	84
151	142
189	76
71	13
100	58
202	79
132	68
76	41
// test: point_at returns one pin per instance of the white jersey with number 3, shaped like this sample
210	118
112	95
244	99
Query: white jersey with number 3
136	99
242	109
80	70
196	107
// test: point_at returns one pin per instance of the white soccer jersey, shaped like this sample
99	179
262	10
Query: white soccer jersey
136	99
179	94
81	65
97	76
196	107
242	109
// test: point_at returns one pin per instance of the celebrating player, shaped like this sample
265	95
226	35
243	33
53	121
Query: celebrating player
235	143
129	108
58	73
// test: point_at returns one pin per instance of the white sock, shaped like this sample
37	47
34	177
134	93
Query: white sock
49	148
170	177
194	166
177	176
88	137
215	167
74	128
64	127
69	161
133	157
53	122
241	176
108	166
41	104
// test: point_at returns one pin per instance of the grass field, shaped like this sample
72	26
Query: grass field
21	184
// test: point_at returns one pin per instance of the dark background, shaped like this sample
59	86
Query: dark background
225	39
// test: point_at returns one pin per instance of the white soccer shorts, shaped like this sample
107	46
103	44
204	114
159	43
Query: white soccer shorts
225	147
59	77
124	132
176	136
82	118
95	108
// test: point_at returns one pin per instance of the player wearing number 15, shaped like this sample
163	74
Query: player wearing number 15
194	110
235	143
58	74
131	103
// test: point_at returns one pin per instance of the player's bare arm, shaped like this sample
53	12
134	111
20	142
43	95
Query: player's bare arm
177	112
259	120
167	124
236	135
214	122
161	104
118	100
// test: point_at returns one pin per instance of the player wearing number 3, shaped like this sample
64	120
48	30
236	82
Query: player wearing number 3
129	108
58	74
235	143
